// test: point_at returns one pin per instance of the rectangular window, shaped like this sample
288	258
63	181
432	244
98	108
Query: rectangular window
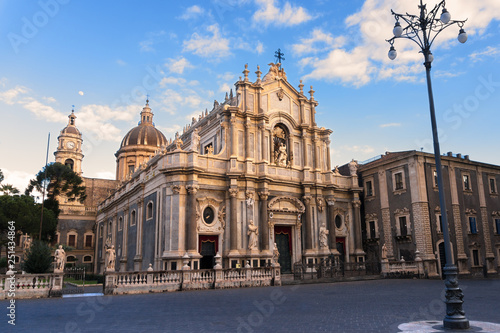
472	225
369	188
130	169
364	234
72	240
398	178
493	188
435	174
132	217
475	257
440	224
497	223
88	240
466	182
372	230
402	226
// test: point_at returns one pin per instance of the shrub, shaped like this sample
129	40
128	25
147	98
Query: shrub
38	258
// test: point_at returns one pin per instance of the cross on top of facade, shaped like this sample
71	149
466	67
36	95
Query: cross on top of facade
279	56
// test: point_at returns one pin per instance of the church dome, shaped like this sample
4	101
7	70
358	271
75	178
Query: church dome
144	135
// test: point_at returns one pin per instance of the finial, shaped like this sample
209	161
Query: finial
231	94
226	98
258	72
245	72
147	99
311	92
301	87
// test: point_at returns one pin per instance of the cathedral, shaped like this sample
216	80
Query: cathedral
248	178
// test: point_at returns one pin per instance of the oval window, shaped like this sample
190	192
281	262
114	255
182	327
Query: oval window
338	221
208	215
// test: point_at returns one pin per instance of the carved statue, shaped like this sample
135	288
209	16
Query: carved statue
323	237
276	254
384	251
27	244
60	256
353	167
253	232
195	140
178	141
110	258
281	160
336	171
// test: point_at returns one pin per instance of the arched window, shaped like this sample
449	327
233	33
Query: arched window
149	211
87	259
71	259
120	223
280	144
132	218
69	163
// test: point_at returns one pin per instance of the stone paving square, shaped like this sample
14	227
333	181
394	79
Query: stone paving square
363	306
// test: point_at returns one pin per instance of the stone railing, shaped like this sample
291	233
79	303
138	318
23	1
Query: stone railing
402	268
30	285
161	281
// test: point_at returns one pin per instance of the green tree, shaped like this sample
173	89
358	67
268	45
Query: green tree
26	213
38	258
8	189
60	181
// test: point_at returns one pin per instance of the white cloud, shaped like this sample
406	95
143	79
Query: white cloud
169	80
152	38
43	111
18	179
366	30
227	76
390	125
224	88
212	46
490	51
178	65
288	15
446	75
192	12
259	48
49	99
318	38
10	96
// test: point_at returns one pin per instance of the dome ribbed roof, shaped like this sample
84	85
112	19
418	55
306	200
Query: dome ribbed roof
144	134
70	130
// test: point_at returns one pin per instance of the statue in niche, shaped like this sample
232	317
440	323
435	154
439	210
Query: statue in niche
323	236
60	256
253	232
281	161
384	251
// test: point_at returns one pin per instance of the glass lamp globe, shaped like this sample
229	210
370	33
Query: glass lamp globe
462	36
445	16
392	53
430	57
398	30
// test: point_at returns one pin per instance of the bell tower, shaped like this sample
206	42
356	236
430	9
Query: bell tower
69	147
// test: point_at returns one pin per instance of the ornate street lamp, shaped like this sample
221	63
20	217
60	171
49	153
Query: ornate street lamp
423	30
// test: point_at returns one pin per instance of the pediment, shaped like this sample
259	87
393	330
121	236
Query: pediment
286	204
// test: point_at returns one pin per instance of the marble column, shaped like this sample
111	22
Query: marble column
308	228
358	243
331	225
191	236
263	221
233	192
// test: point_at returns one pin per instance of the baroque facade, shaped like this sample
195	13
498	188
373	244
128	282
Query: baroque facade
401	211
250	176
76	223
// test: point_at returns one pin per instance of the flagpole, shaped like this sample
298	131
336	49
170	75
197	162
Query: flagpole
43	190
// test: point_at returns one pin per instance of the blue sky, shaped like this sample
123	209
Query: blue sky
105	56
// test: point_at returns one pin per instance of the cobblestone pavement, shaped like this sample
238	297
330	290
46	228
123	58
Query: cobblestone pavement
364	306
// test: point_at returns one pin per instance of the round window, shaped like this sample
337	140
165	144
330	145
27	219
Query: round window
208	215
338	221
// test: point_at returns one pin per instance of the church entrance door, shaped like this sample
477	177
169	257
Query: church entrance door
208	250
283	239
341	248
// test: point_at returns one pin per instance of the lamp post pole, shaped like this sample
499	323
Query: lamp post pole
423	29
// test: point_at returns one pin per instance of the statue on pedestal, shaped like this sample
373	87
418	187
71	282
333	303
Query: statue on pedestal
110	258
253	232
60	256
276	254
323	237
